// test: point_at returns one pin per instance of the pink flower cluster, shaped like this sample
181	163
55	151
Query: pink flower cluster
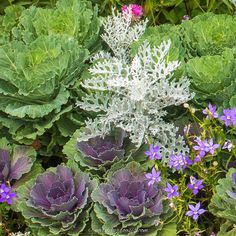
134	9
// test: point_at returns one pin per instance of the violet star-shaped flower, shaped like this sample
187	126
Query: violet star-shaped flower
195	185
179	161
172	191
229	117
6	195
153	152
202	147
210	112
228	145
153	177
197	159
195	211
186	17
212	146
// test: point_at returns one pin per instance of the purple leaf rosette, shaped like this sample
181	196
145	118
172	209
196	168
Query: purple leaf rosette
15	163
57	202
97	154
126	203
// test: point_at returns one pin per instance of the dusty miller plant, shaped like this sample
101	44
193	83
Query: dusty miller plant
132	93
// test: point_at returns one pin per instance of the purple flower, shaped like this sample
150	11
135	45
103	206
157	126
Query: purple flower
205	147
195	211
195	185
153	177
202	147
228	145
6	195
186	17
229	116
171	191
212	146
179	161
197	159
210	112
153	152
134	9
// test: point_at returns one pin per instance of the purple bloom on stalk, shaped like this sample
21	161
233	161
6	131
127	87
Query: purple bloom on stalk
153	152
153	177
195	185
229	116
212	147
186	17
179	161
202	147
195	211
172	191
134	9
197	159
228	145
210	112
6	195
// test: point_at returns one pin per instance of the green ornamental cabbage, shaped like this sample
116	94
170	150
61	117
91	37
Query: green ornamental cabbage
209	34
214	78
40	65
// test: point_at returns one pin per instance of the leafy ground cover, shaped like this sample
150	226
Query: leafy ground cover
110	126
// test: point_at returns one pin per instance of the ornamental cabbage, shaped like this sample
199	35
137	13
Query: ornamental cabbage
214	78
40	64
223	203
209	34
97	154
126	204
57	202
17	164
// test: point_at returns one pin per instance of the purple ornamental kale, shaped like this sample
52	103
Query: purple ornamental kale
210	112
58	201
195	211
172	191
127	200
99	151
229	117
6	194
153	177
153	152
14	165
195	185
179	161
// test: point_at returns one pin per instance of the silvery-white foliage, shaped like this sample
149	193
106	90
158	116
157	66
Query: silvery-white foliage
20	234
120	33
132	93
234	2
